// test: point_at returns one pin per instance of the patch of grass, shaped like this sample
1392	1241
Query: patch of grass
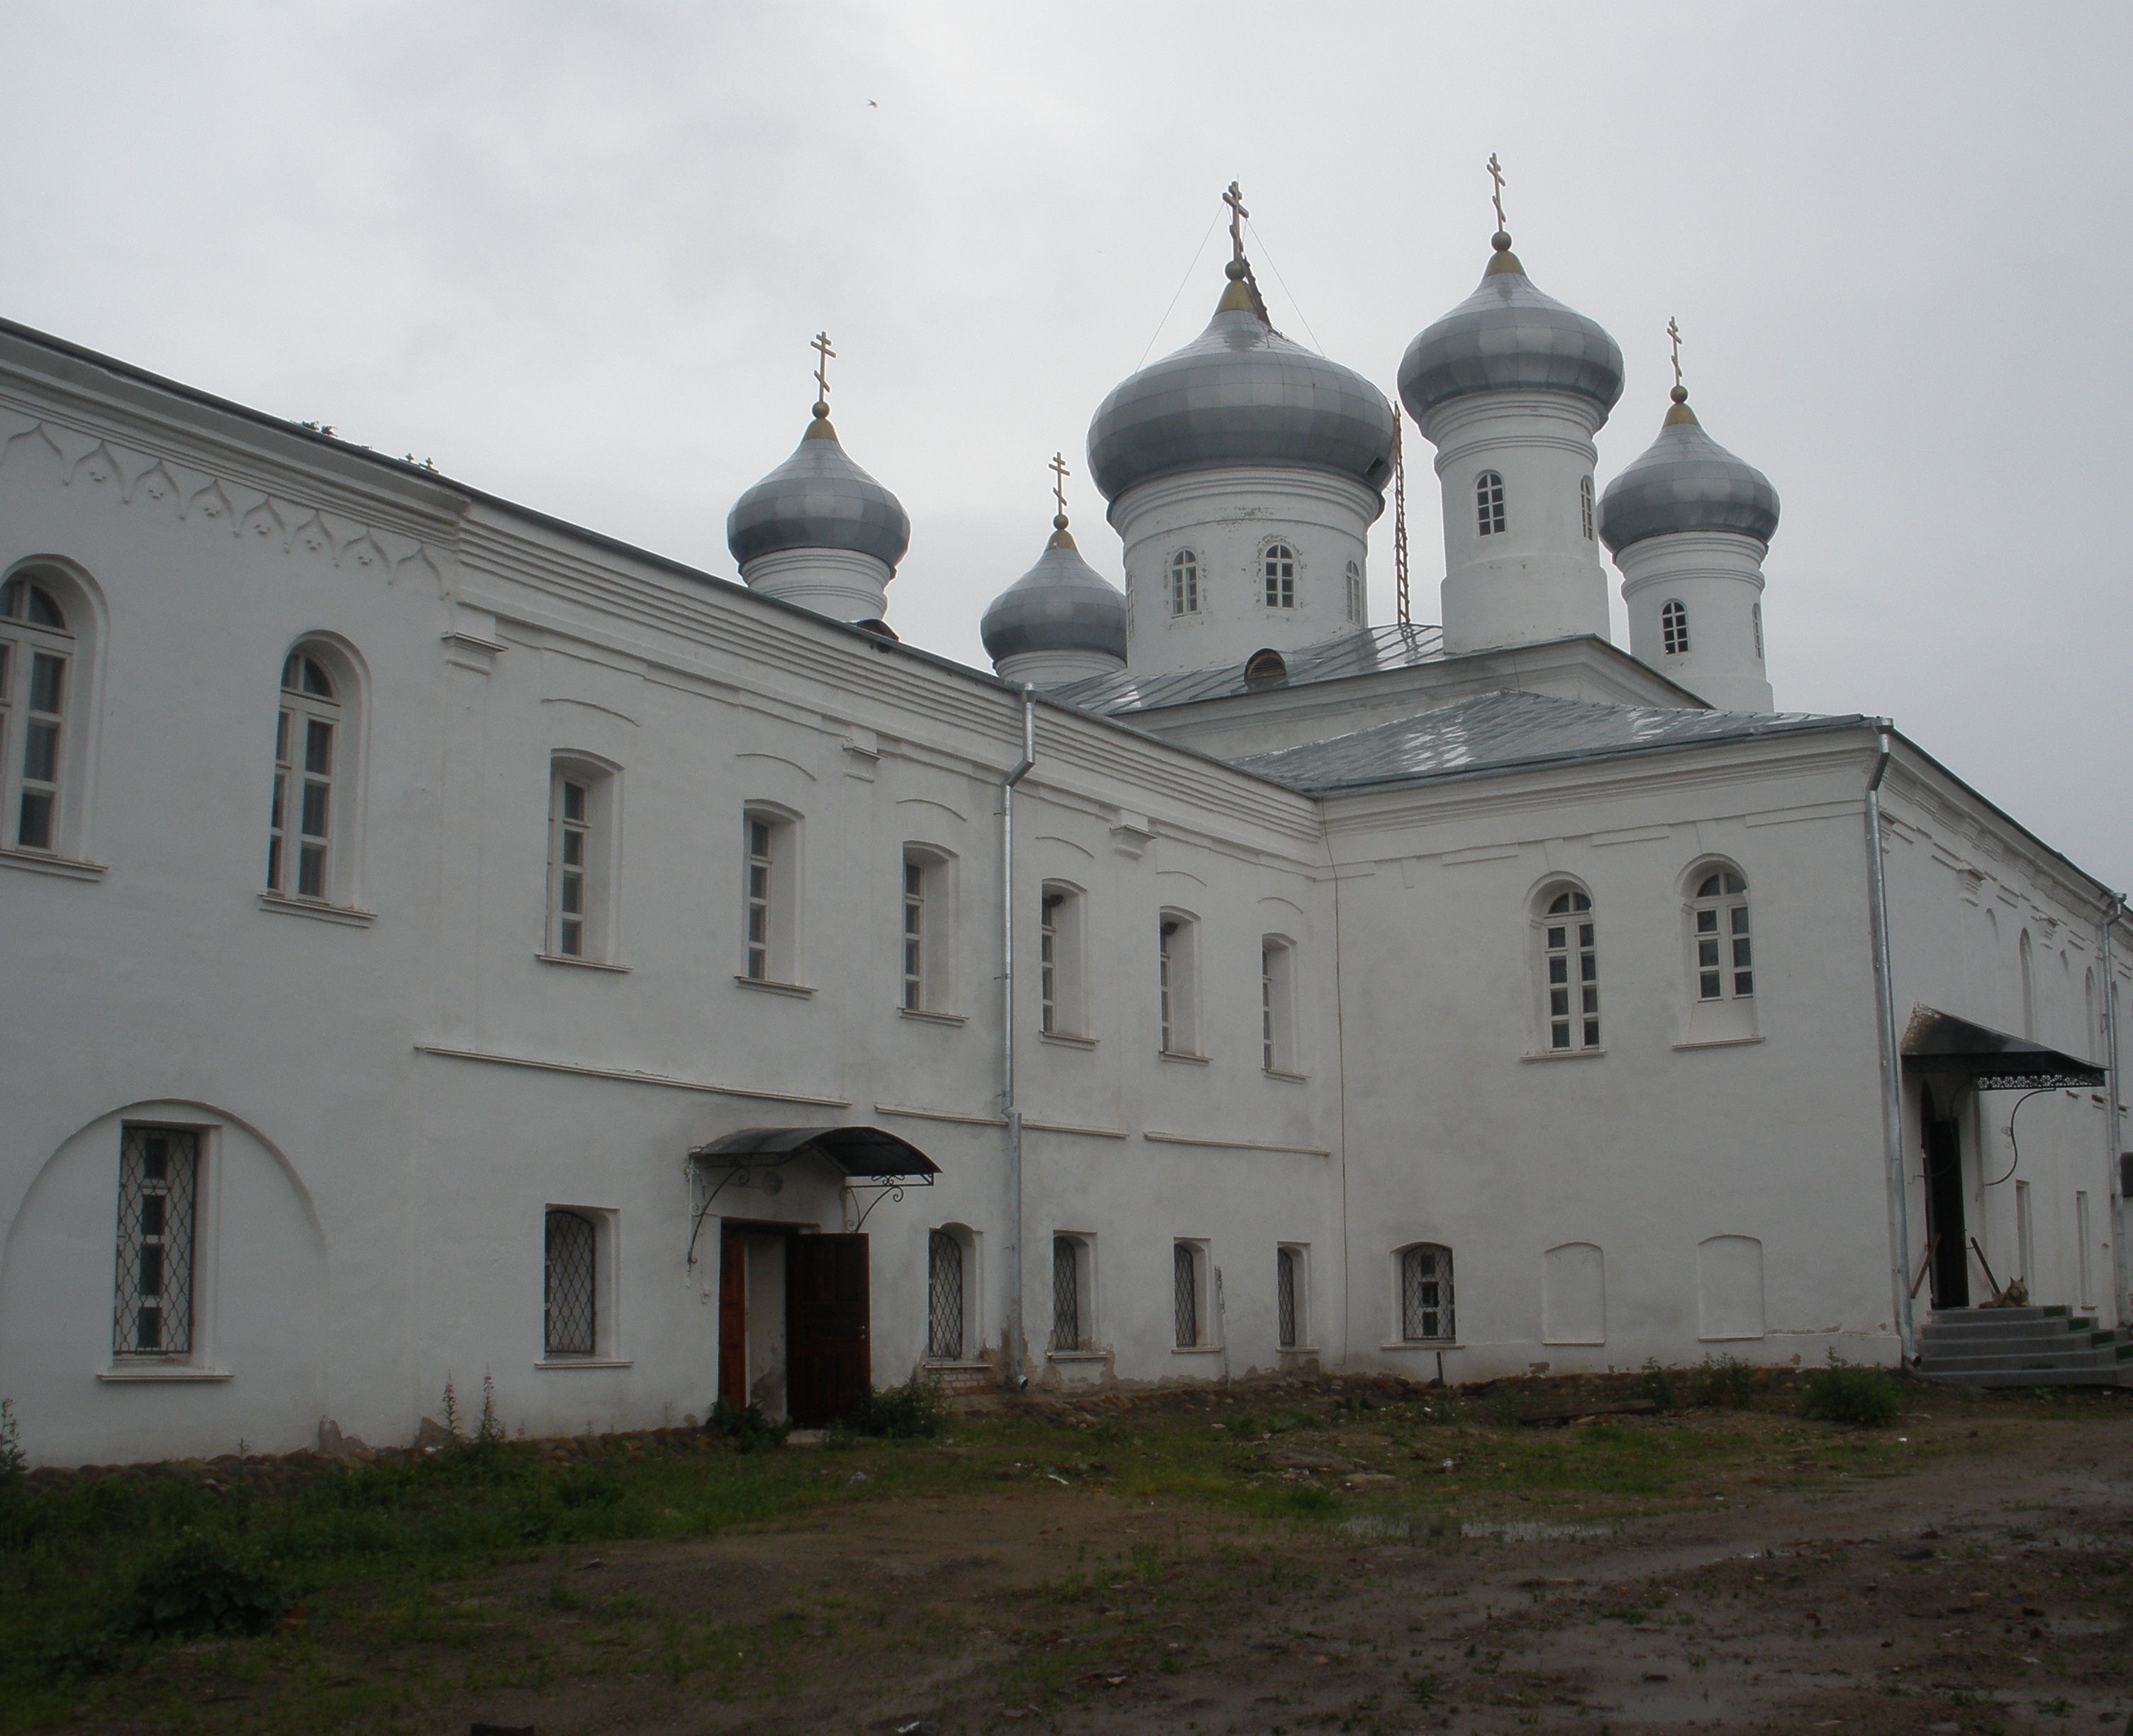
917	1410
1654	1385
1725	1382
1850	1392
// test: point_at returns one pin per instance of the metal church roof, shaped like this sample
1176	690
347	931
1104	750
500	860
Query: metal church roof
1364	651
1496	732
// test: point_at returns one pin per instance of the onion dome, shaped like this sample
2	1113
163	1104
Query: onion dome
1506	335
818	499
1062	604
1686	481
1240	393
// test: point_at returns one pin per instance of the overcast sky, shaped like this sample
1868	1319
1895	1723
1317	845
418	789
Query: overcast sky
575	255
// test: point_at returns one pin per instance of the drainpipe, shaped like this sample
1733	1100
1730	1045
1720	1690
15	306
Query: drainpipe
2121	1258
1017	1375
1892	1076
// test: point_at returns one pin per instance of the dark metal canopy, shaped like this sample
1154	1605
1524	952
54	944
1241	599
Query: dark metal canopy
868	1151
1941	1046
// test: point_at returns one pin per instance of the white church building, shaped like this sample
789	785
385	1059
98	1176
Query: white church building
444	940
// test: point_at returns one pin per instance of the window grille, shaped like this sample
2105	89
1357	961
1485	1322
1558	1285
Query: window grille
758	900
571	1308
1426	1293
158	1184
1573	973
574	830
1585	506
944	1294
914	935
1284	1291
1047	961
1489	503
1725	960
299	834
1163	963
1185	1284
1673	629
1065	1294
42	704
1280	565
1354	592
1755	615
1184	582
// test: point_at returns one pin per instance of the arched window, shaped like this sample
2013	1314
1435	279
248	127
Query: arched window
770	843
1184	582
1585	506
1755	615
570	1292
1177	983
1354	592
1426	1294
37	660
1673	629
307	734
1063	1005
1571	965
1489	503
1725	960
944	1295
1266	668
1277	1005
1278	564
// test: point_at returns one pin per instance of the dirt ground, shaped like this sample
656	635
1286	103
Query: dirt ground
1988	1590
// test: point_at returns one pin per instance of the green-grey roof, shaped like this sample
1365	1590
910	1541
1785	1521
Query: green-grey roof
1685	481
1364	651
1499	732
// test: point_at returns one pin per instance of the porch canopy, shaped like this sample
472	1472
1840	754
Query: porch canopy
870	1151
1939	1045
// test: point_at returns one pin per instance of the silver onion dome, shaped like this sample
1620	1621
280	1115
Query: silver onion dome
819	498
1240	393
1061	604
1507	335
1686	481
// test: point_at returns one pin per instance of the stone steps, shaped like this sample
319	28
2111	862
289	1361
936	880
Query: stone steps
2023	1346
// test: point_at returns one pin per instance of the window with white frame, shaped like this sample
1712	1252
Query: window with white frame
1354	592
770	843
1724	950
1673	629
927	887
158	1215
1291	1297
307	752
1277	564
1063	1004
1570	964
1489	503
1585	506
1185	582
37	671
1047	961
1277	1005
1425	1282
1188	1293
1177	982
944	1266
570	1283
1072	1268
581	821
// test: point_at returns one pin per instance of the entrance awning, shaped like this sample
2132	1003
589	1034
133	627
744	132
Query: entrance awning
869	1151
1940	1045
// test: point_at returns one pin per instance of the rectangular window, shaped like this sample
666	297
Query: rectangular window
1047	961
1176	977
570	1294
1185	1262
1277	1006
758	900
1066	1321
38	815
1573	985
158	1186
573	858
1162	970
1287	1296
944	1295
914	935
1426	1294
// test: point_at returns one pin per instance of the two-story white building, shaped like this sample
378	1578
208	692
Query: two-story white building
443	941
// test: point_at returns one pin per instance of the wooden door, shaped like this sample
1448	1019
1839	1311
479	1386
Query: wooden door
732	1319
828	1357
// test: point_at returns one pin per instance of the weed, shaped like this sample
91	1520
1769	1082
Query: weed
1850	1392
917	1410
1726	1382
205	1584
1654	1385
746	1426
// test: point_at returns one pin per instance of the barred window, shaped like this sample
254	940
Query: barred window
1426	1294
1585	506
1673	629
944	1295
1187	1262
1278	564
1068	1330
158	1188
1184	582
1572	964
1489	503
1286	1264
569	1292
36	655
1725	960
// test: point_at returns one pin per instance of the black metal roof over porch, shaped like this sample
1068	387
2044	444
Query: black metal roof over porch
1940	1045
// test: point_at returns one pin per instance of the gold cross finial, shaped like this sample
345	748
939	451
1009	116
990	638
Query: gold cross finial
820	343
1060	473
1496	174
1674	331
1235	200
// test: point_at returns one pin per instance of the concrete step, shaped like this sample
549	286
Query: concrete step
2036	1364
1982	1332
2030	1377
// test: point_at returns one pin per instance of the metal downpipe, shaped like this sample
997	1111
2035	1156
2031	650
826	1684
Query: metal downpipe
1018	1373
2121	1257
1892	1077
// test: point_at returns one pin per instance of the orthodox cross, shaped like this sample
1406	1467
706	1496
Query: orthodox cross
1235	200
1496	174
1674	331
820	344
1060	473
